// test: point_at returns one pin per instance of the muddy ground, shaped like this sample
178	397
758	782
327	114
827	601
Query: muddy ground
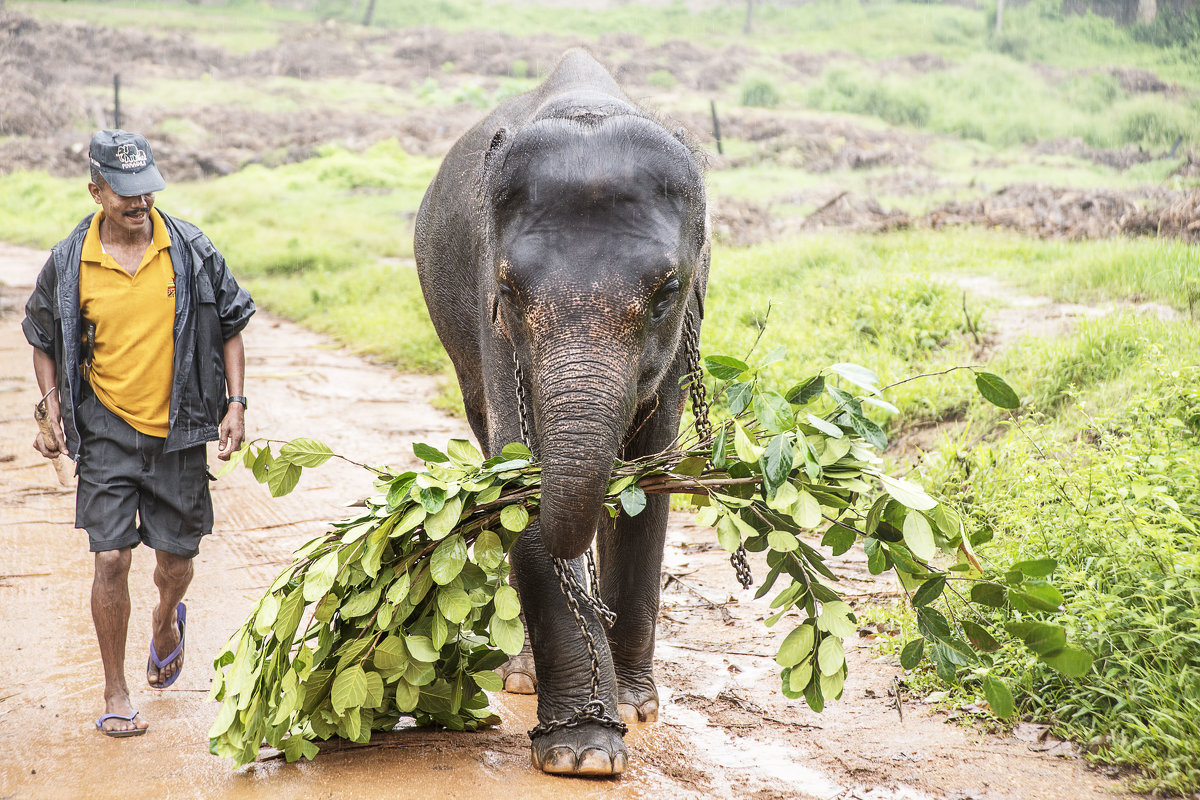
724	729
55	87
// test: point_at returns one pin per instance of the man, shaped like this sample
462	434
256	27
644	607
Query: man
136	328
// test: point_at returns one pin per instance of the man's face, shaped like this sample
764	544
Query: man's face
129	214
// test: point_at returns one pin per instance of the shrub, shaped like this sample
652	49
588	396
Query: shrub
663	79
760	93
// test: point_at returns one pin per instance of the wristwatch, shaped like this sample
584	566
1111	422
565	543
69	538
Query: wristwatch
237	398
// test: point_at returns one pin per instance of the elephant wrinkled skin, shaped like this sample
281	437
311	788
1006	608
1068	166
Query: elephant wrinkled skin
568	231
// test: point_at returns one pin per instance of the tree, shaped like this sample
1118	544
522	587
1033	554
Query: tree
1147	11
369	15
749	16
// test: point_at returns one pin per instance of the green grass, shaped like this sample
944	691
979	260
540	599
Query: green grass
1114	498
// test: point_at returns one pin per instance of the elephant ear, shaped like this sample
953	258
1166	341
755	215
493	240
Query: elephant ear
490	158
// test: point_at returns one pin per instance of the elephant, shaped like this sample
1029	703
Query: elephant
563	252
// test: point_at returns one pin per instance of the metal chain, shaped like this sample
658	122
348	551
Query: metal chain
700	409
574	592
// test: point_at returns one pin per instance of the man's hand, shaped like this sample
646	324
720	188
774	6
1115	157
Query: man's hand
54	419
232	430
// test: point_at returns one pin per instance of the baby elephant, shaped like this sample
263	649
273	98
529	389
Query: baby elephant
563	250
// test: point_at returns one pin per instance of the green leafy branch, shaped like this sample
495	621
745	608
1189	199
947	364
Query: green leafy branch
405	610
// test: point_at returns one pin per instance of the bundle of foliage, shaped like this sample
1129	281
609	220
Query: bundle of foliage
406	610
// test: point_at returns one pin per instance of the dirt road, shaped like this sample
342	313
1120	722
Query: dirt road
724	730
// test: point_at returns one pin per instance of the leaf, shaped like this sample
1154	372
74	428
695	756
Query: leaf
488	550
320	576
807	511
777	461
912	653
282	477
464	453
262	464
514	518
980	637
835	619
998	696
930	590
782	541
720	446
374	698
390	654
831	656
439	524
1040	596
918	536
989	594
454	604
349	689
824	426
803	393
796	646
728	535
745	444
996	391
429	454
859	376
932	623
1070	661
447	560
907	493
1040	637
839	539
515	450
633	500
773	412
1038	568
739	396
236	459
507	634
488	680
268	610
306	452
507	603
421	648
288	619
869	431
407	696
724	368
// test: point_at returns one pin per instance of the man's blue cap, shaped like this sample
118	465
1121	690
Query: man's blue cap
126	163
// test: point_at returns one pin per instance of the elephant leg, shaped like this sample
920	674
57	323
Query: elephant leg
631	557
565	668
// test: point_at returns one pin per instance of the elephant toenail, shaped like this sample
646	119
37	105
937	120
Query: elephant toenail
520	683
628	712
559	760
596	762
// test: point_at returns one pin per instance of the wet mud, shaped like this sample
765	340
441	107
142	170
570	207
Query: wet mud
724	729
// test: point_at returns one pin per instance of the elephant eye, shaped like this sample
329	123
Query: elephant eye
507	290
664	298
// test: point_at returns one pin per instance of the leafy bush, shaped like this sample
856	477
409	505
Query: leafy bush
759	93
1118	509
1150	122
663	79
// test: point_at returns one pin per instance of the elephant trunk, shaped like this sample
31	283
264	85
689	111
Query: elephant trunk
586	406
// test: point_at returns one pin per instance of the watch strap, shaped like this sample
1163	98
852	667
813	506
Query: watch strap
237	398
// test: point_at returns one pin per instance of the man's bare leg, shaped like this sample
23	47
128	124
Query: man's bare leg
110	613
172	575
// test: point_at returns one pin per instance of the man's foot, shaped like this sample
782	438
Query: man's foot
121	719
167	638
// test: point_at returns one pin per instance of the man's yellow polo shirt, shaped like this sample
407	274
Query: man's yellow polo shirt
134	317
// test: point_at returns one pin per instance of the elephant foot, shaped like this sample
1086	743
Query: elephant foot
588	750
518	673
637	704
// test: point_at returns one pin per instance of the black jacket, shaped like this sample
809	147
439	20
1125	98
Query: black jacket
210	308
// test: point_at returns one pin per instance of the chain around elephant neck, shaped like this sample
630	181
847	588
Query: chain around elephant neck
704	431
574	592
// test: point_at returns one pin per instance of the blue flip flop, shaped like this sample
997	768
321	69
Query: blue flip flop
119	734
157	663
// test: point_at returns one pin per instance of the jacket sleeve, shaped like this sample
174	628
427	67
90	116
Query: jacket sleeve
234	304
39	325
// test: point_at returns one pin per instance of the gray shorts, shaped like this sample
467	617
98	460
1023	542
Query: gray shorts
130	491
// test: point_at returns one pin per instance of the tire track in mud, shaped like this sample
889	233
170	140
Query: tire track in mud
724	729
